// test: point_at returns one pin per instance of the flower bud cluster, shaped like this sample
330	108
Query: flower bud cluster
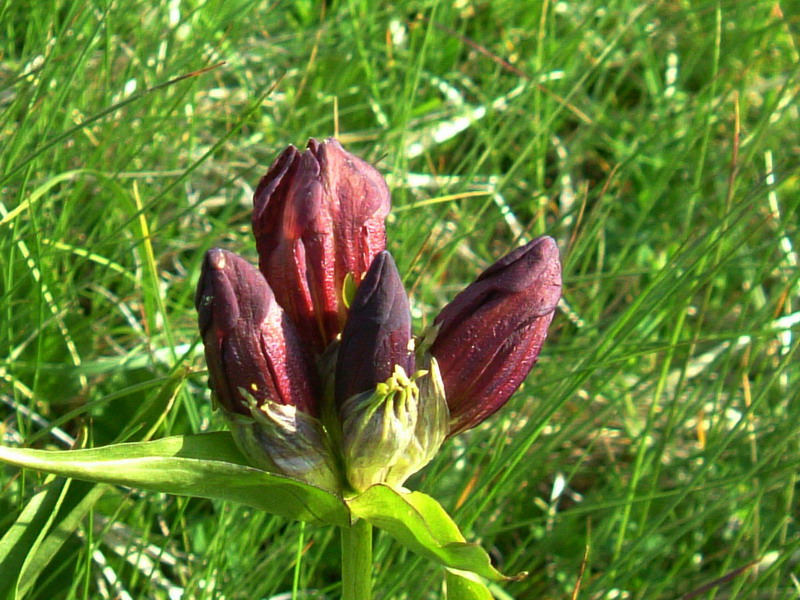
324	384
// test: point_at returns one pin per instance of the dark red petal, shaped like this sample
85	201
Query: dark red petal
490	335
318	217
250	343
377	334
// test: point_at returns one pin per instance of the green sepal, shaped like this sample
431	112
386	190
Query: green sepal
207	465
283	440
42	528
393	431
377	429
431	427
422	525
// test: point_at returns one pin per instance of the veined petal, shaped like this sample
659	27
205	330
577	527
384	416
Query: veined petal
318	216
377	335
250	343
490	335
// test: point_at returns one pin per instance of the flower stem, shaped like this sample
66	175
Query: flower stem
357	561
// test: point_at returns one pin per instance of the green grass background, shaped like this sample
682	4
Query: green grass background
653	451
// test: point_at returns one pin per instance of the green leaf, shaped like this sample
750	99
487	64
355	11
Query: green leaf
80	499
465	586
40	530
421	524
204	466
44	525
24	536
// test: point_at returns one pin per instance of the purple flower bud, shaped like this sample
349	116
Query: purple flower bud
377	335
250	343
318	216
488	338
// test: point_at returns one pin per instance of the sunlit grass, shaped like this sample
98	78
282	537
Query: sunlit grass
656	440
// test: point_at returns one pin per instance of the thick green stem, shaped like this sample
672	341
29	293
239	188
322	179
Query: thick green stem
357	561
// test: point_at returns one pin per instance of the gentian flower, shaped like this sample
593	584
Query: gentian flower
262	376
390	429
489	337
377	336
318	221
312	359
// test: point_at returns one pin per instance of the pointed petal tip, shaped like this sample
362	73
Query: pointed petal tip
221	260
548	248
377	335
216	259
537	264
270	182
383	260
318	218
491	334
213	260
330	142
382	276
550	257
